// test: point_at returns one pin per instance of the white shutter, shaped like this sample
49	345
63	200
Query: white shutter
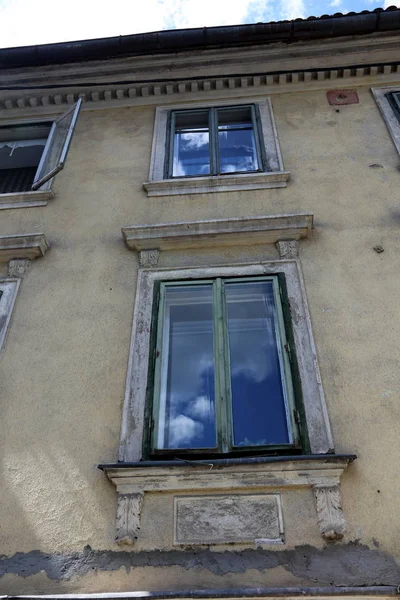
57	146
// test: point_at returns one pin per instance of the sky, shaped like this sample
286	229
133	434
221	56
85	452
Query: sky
29	22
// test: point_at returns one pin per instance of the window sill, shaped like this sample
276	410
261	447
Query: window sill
25	199
240	482
217	183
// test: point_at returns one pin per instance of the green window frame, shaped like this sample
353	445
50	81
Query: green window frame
213	127
222	377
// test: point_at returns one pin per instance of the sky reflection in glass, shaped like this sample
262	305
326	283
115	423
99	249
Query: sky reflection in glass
258	404
187	408
191	144
237	145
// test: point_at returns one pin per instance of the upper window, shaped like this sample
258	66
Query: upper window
388	101
216	148
31	155
394	100
222	377
213	141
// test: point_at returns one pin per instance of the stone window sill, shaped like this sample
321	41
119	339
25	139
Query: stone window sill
25	199
217	183
261	479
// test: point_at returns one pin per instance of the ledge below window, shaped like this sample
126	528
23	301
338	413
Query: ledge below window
25	199
206	485
217	183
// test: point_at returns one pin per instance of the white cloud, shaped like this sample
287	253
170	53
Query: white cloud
24	22
391	3
335	3
293	9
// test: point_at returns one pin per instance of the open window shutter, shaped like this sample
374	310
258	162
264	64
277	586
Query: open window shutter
57	146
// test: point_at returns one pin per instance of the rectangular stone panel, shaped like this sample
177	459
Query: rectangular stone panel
228	518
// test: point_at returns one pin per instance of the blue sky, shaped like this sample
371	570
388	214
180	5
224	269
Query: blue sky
28	22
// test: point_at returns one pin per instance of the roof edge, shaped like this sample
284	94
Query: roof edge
180	40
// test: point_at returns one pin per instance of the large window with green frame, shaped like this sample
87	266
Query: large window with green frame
222	381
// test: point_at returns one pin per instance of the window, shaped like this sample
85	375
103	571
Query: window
394	101
216	148
213	142
8	292
388	101
31	155
222	377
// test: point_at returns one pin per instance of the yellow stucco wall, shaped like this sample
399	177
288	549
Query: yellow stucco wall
63	366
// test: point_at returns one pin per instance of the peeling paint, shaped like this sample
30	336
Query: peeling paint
353	564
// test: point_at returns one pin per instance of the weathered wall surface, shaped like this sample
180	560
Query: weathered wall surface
63	367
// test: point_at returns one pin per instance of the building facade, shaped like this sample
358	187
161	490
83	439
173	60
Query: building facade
198	312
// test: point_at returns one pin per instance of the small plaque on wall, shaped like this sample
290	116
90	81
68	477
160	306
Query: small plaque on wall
220	519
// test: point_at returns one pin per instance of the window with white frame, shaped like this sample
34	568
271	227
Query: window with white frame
219	366
32	154
201	148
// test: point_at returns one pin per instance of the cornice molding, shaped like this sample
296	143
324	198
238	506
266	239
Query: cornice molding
125	94
218	232
25	245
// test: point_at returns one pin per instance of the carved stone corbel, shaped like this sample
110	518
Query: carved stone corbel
288	249
331	521
148	258
18	267
128	518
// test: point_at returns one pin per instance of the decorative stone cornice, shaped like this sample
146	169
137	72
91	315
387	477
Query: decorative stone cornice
123	94
25	245
218	232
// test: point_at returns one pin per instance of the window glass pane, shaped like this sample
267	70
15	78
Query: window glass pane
187	408
191	144
237	144
258	404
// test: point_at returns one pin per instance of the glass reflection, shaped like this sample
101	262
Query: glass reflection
258	404
191	144
187	409
237	144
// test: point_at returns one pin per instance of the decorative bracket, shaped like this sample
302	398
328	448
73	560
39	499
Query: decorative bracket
18	267
129	508
288	249
331	521
148	258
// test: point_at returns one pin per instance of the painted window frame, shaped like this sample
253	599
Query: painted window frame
388	112
139	382
214	146
8	293
223	401
51	162
272	174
